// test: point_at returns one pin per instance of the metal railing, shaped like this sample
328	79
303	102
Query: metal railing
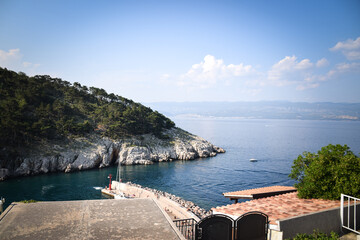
347	221
186	227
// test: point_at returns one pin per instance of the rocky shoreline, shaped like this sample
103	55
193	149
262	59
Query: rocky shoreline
190	206
94	151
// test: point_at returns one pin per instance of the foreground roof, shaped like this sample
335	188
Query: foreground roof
278	207
90	219
259	192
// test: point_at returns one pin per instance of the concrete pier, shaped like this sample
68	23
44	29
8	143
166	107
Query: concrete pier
173	209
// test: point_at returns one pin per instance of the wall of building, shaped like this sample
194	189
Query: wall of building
325	221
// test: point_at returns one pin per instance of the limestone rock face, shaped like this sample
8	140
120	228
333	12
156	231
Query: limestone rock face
98	152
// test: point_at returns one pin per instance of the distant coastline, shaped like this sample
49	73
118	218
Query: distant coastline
196	116
261	110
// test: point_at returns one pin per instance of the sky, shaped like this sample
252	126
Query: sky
162	51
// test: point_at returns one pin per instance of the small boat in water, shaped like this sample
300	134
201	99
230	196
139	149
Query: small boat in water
253	160
119	194
115	190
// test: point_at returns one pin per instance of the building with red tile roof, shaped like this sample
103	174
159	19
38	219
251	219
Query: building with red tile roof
287	213
278	207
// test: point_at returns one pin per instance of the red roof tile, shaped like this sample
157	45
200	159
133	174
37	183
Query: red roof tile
279	207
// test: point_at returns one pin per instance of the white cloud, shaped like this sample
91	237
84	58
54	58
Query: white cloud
338	72
289	73
13	60
353	55
10	57
165	77
30	65
304	64
322	63
347	45
302	74
305	86
350	48
306	75
211	70
288	70
343	68
346	67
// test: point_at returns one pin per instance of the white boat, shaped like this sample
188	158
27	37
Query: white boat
253	160
115	189
118	194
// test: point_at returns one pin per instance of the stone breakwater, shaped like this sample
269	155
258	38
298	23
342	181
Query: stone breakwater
94	151
190	206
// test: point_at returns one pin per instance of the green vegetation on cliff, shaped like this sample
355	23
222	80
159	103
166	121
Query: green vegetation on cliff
41	107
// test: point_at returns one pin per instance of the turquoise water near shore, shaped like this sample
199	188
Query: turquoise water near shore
275	143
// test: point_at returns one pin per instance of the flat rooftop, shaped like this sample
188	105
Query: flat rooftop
90	219
259	192
278	207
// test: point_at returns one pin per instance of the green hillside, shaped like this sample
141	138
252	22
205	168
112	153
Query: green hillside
45	108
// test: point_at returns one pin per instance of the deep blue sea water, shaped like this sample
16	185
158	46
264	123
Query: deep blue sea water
275	143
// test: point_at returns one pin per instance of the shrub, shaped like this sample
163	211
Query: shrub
316	235
328	173
28	201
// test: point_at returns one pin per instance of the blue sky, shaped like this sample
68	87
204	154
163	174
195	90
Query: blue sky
152	51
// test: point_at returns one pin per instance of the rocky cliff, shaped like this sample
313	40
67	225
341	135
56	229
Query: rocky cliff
94	151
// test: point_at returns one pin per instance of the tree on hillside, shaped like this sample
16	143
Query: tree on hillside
328	173
43	108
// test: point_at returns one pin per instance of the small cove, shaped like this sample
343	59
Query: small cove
274	143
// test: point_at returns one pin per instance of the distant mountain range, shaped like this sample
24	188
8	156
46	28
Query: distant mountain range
262	110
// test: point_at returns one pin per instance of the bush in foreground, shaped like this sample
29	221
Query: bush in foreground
29	201
328	173
316	235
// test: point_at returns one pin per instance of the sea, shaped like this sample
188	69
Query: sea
274	143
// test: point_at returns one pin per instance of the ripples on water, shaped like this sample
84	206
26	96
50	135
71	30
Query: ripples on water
274	143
